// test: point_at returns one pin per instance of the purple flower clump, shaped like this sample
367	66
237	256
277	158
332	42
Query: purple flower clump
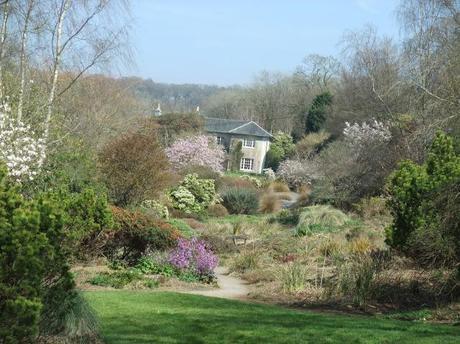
193	255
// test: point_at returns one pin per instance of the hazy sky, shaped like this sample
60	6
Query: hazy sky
227	42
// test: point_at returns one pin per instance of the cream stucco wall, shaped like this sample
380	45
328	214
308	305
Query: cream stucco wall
257	153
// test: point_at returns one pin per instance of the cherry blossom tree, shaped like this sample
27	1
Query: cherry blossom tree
196	151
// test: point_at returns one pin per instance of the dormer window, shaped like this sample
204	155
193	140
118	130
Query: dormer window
249	143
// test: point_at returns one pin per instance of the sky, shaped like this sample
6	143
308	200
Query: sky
227	42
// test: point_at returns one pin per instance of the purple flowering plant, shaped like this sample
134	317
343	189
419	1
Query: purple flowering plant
193	255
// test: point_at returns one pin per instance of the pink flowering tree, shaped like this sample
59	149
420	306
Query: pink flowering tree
196	151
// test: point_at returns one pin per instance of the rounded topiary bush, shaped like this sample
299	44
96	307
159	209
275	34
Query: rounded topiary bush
320	218
240	201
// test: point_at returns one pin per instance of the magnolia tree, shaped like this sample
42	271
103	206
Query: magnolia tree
297	173
22	153
196	151
365	133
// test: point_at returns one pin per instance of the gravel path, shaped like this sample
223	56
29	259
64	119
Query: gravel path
229	287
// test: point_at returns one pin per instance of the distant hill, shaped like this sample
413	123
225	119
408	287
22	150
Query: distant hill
172	97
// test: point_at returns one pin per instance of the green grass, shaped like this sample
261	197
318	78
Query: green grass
232	219
161	317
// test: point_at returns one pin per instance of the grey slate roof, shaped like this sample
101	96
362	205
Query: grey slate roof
233	126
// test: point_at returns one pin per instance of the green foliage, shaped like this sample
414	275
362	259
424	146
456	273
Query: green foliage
35	281
286	217
182	227
193	195
281	148
148	265
316	116
235	156
87	212
415	191
240	201
120	279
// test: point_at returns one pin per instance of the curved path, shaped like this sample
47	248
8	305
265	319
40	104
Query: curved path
229	287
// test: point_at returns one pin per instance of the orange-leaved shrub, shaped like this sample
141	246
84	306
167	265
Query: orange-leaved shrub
136	234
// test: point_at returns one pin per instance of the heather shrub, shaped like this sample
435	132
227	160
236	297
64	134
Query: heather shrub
217	210
240	201
195	257
193	195
135	235
269	203
419	227
196	151
134	167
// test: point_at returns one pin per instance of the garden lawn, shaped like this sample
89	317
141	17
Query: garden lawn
134	317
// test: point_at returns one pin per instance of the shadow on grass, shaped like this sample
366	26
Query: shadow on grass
160	317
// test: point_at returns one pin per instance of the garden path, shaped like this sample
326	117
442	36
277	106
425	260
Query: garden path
230	287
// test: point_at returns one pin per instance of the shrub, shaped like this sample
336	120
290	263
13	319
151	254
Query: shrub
269	203
287	217
175	125
316	116
356	277
419	228
193	195
227	182
281	148
217	210
182	227
155	208
136	234
254	180
196	151
117	279
35	281
297	173
134	167
193	256
240	201
87	212
310	144
320	218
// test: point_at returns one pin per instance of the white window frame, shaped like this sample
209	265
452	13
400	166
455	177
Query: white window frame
250	163
219	140
249	143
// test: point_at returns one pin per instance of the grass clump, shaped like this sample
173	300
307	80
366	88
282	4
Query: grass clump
269	203
320	219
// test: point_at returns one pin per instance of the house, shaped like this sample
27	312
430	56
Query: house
255	140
